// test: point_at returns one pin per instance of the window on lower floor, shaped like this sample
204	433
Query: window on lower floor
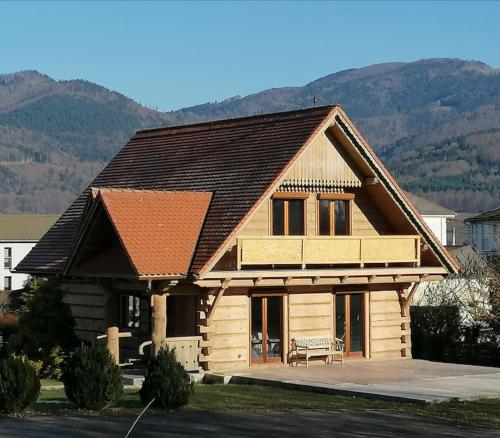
7	283
130	311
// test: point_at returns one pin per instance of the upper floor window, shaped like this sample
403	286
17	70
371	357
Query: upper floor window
7	283
7	258
334	214
289	214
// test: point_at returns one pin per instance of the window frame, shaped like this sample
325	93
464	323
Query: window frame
7	259
9	277
286	197
332	197
124	324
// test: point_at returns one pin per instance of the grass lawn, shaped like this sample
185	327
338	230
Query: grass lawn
253	397
50	382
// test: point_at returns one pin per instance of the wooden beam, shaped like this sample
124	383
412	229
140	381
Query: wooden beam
405	298
163	286
290	195
336	196
218	297
336	272
371	181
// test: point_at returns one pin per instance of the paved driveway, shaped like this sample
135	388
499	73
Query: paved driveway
399	379
244	424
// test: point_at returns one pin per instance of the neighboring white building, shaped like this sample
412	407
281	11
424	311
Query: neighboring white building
435	216
18	234
484	233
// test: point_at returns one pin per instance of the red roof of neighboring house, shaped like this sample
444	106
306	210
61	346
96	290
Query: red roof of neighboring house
237	160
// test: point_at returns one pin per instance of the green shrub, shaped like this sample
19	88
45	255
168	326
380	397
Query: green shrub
46	328
91	379
166	381
435	332
19	384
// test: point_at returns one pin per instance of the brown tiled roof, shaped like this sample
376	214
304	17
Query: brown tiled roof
237	160
158	230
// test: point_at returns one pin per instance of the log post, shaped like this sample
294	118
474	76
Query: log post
159	302
113	343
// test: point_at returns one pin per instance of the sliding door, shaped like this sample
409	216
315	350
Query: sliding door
349	326
266	343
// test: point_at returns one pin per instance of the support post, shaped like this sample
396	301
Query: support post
159	303
113	343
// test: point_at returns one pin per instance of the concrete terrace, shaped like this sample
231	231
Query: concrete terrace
399	379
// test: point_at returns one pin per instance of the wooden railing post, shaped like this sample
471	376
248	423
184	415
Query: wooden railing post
113	343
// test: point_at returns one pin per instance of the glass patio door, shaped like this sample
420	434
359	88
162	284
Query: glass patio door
349	317
266	330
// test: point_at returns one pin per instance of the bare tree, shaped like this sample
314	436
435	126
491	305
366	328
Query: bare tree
474	290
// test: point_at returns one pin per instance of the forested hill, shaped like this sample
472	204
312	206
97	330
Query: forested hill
435	122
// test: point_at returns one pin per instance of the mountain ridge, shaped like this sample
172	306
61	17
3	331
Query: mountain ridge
56	134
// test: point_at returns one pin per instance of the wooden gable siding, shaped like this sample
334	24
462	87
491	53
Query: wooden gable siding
258	225
367	219
323	163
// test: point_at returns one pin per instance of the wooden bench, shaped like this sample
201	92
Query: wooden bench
317	346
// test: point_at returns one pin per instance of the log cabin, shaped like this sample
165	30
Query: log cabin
228	239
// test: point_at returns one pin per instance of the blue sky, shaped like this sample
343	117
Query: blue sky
172	55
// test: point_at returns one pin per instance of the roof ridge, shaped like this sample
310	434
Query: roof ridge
489	214
144	133
134	190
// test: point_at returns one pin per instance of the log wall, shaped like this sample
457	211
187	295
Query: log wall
390	332
229	332
310	314
307	313
88	303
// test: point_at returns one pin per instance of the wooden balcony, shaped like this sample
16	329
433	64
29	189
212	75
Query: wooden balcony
325	250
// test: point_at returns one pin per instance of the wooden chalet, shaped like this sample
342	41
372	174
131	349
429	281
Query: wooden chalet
228	239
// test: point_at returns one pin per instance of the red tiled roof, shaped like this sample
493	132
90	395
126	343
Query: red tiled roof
237	160
158	230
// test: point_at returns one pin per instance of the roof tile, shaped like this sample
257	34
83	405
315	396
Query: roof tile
237	160
158	230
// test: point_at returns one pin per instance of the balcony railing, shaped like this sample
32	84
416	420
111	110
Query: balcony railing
327	250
